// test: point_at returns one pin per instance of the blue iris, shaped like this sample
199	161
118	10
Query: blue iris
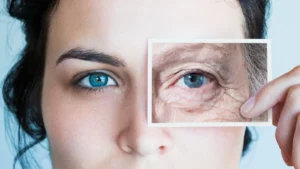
98	79
194	80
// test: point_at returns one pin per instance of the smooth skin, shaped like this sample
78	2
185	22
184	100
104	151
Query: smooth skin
283	96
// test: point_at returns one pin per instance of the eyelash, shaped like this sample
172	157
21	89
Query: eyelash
81	76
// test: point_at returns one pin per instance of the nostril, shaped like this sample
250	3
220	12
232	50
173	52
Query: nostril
161	149
127	149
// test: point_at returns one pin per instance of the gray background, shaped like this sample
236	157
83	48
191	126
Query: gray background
284	29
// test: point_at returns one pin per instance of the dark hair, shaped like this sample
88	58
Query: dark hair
23	84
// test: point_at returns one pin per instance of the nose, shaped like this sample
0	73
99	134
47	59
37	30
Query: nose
136	138
141	140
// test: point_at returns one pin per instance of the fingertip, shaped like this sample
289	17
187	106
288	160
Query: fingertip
247	107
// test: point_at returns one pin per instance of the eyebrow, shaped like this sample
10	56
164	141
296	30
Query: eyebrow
90	55
179	52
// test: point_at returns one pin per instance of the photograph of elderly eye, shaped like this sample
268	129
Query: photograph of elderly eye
206	82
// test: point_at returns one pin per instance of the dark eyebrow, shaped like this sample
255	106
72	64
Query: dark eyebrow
90	55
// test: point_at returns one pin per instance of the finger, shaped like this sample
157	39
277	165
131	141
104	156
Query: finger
276	111
287	122
270	94
296	146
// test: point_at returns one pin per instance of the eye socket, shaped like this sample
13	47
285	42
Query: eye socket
97	80
192	80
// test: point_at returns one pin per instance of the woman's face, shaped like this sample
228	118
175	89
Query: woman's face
94	99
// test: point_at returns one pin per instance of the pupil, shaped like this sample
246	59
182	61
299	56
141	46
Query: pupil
193	78
98	78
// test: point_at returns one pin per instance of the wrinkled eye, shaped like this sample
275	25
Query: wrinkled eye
193	80
97	80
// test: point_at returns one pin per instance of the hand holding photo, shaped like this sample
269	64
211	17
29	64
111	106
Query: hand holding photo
205	82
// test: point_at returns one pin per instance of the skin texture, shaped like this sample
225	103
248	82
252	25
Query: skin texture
108	128
218	99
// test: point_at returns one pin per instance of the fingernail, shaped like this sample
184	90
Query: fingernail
245	109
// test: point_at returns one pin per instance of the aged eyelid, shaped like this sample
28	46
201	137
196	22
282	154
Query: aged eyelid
206	68
182	73
215	56
164	77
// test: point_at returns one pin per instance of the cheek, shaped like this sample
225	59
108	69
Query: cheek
81	129
211	146
223	138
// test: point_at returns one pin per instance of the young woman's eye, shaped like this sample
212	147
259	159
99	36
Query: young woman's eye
97	80
192	80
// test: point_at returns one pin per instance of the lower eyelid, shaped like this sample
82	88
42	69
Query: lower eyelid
205	93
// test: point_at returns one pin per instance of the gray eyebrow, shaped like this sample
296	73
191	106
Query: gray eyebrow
189	52
90	55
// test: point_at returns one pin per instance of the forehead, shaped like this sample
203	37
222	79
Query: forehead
116	25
